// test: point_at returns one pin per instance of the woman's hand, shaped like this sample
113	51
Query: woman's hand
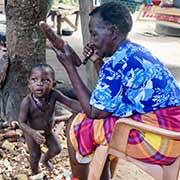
67	56
38	136
91	53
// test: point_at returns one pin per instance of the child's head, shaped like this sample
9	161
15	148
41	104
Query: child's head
41	80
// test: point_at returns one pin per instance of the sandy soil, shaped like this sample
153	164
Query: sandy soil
128	171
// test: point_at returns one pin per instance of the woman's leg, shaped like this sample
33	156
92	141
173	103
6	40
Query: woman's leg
78	170
81	170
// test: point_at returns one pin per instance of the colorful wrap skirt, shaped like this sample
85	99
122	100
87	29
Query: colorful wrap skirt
86	134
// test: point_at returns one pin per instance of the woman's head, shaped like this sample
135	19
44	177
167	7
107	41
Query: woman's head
115	14
41	80
110	24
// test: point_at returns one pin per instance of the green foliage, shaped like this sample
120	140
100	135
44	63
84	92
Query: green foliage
71	2
65	1
132	5
49	5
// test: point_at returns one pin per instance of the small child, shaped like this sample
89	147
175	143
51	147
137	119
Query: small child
36	115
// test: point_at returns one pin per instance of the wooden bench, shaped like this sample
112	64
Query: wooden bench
62	15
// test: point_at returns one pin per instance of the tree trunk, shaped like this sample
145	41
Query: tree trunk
26	47
85	8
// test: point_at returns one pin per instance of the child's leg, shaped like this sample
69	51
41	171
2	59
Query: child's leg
35	154
54	148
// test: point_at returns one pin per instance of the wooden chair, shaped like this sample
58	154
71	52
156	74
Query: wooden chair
118	146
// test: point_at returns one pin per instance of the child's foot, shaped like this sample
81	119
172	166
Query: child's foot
34	172
38	176
48	165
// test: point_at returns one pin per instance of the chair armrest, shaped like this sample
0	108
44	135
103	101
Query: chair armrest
148	128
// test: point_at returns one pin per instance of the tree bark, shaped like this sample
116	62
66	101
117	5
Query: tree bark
85	8
26	47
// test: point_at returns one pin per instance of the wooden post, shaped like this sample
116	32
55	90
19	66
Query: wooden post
85	8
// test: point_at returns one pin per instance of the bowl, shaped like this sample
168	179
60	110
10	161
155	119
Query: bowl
67	32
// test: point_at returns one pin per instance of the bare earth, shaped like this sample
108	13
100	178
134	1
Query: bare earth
164	47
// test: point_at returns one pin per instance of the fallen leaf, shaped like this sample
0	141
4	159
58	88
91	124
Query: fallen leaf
22	177
8	145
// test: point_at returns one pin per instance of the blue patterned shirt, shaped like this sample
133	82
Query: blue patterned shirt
133	81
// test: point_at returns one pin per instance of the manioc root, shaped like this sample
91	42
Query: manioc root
56	40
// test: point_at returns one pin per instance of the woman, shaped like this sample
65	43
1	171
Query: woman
131	83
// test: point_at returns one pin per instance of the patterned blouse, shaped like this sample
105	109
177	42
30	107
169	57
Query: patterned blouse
133	81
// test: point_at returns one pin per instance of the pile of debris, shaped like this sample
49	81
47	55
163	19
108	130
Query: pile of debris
14	164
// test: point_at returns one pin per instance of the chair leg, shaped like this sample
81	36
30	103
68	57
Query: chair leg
113	165
97	164
171	172
156	171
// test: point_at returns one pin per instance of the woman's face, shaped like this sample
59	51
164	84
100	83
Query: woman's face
101	36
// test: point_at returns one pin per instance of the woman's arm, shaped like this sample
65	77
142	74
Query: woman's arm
83	95
82	92
98	64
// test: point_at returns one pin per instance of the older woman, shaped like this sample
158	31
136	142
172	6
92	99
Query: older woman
131	83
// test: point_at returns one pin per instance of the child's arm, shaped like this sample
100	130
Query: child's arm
23	116
71	103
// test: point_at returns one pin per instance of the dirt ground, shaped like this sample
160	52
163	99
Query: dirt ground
164	47
14	159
